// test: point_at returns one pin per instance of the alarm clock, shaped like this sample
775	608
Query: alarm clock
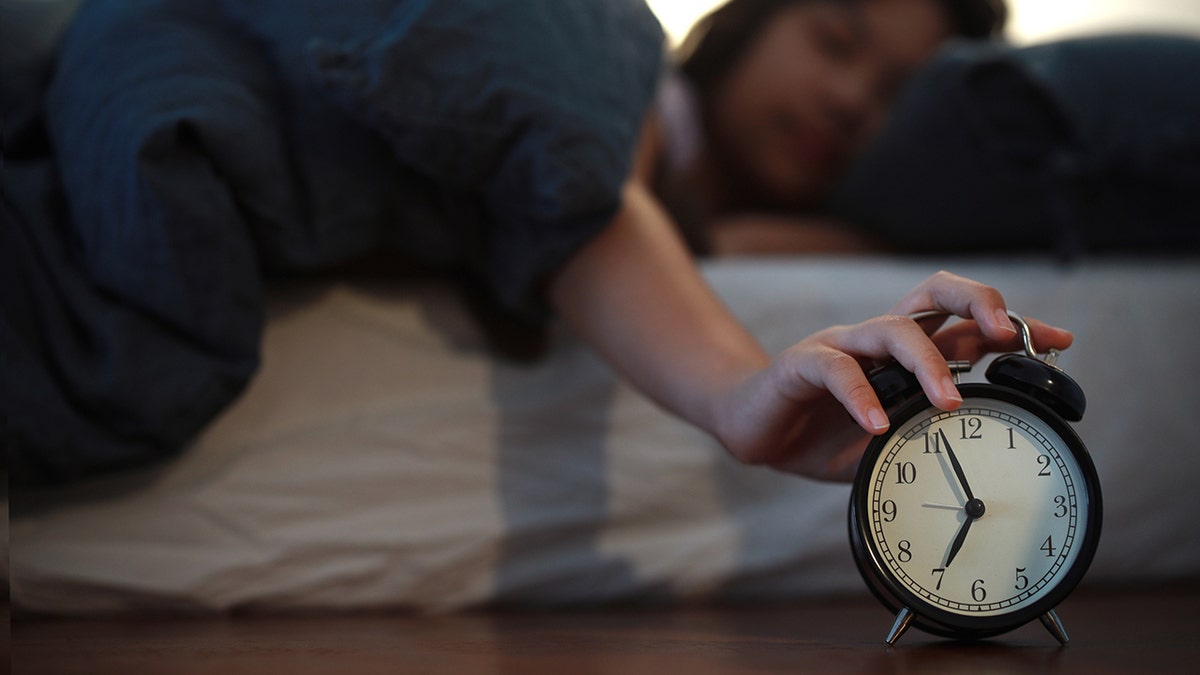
972	522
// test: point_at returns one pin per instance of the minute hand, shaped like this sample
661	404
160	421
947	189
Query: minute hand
958	471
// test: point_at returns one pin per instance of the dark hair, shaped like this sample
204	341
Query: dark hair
719	38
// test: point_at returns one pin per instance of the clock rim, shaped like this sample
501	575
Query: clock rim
927	616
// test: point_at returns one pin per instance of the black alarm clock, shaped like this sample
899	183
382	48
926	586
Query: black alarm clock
972	522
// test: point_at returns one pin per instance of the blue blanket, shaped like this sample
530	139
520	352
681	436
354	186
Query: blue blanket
187	149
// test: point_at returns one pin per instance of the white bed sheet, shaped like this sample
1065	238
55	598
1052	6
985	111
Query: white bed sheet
382	458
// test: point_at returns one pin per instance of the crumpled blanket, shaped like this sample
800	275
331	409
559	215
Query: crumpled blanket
186	150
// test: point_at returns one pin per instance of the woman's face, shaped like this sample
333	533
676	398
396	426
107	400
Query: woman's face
814	86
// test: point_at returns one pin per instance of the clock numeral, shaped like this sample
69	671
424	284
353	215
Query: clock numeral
905	553
932	444
906	473
971	428
1061	502
1022	580
1048	547
889	511
978	592
1044	462
939	572
1011	440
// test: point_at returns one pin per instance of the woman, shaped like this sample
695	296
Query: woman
203	146
771	102
1078	146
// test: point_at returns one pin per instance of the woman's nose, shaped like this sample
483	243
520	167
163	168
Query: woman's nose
851	93
852	101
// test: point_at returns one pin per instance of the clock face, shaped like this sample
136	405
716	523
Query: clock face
981	513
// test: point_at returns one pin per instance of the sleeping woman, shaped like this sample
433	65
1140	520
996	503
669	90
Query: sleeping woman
772	100
785	128
200	148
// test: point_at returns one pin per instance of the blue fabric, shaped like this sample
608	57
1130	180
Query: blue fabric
192	148
539	116
1081	146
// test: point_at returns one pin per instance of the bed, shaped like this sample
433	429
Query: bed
387	456
393	451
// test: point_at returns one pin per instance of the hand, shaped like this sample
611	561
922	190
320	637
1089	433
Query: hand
792	414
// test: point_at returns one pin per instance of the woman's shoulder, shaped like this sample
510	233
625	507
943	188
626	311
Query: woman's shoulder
677	111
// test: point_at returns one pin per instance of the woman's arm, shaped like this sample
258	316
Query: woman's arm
637	296
635	293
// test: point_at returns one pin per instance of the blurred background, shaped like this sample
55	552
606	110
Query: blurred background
1030	21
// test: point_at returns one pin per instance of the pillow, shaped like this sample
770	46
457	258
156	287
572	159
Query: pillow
1080	145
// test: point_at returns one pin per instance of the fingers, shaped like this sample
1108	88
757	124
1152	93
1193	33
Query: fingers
833	369
964	341
963	297
904	340
1047	337
834	358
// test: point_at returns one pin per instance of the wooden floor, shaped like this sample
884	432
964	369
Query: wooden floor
1152	631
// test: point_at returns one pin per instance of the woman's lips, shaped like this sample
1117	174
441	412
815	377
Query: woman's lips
812	145
817	148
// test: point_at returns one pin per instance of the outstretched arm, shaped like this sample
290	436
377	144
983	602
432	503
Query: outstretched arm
637	296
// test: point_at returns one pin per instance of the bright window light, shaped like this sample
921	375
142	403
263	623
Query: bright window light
1029	20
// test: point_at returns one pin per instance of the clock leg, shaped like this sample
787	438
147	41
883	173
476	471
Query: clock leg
1053	624
903	618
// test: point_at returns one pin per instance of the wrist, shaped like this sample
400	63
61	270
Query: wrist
737	407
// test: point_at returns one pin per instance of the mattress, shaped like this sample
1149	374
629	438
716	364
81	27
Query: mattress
387	456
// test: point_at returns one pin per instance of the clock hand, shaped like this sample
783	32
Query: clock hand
958	540
974	509
958	470
951	507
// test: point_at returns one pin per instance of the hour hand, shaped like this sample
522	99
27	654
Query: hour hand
973	510
958	540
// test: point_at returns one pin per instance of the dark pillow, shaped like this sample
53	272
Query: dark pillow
1081	145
